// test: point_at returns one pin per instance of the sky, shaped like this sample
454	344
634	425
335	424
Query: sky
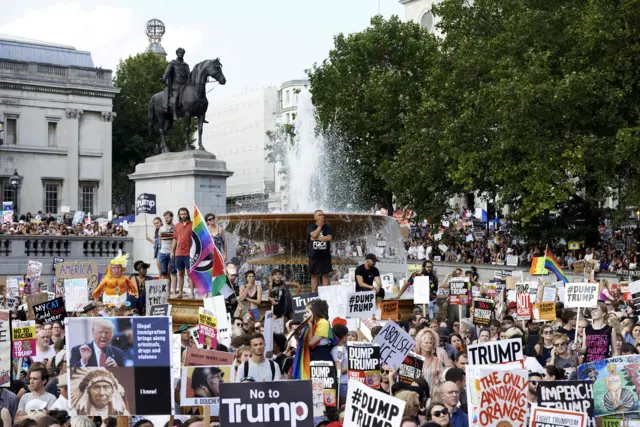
259	42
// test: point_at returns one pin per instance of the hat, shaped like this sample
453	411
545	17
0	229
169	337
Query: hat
335	424
62	380
60	356
139	264
183	328
35	405
443	332
372	257
512	305
338	321
232	269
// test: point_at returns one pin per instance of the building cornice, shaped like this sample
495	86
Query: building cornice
34	149
60	90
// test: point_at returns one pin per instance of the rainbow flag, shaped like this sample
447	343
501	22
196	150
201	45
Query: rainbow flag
301	368
201	271
537	266
551	263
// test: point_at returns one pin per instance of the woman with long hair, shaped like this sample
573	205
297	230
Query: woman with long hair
427	342
439	413
545	345
457	342
217	234
316	337
633	333
251	294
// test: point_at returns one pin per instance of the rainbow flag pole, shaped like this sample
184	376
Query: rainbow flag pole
552	264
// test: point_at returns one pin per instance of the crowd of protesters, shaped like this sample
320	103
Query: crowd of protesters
49	224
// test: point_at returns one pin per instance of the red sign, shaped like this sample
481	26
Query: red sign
523	305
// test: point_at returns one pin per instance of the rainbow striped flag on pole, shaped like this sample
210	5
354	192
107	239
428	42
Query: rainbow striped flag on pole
201	269
552	264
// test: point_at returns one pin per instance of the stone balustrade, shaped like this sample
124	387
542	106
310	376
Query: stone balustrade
16	251
55	73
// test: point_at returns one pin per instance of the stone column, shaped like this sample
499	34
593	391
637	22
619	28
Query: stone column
105	189
72	137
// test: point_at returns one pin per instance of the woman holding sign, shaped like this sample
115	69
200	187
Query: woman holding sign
316	337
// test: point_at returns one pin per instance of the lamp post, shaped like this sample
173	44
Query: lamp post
16	182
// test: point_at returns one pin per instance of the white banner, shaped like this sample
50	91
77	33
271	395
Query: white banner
556	418
76	294
496	352
421	290
361	304
337	297
578	295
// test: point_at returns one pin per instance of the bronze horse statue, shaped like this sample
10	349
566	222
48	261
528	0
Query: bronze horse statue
193	102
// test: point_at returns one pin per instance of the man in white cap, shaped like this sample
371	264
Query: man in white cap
62	403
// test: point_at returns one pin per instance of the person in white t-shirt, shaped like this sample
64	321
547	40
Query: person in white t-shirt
258	367
43	349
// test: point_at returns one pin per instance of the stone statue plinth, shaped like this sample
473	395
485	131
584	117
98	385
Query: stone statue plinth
177	180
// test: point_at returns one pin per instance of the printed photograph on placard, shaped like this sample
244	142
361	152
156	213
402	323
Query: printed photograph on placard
100	342
102	391
200	385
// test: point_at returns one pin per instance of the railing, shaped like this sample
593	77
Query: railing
98	76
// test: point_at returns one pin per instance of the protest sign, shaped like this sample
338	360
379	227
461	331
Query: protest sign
512	260
34	299
497	397
389	310
544	311
364	363
395	343
50	311
7	216
614	384
13	289
367	407
361	304
141	380
567	396
202	357
542	417
5	349
200	386
272	404
56	261
34	270
578	295
458	290
325	373
146	204
75	294
117	300
496	352
523	301
157	293
337	298
24	338
207	328
482	311
548	294
160	310
76	270
411	368
421	290
13	303
300	304
388	284
366	325
217	306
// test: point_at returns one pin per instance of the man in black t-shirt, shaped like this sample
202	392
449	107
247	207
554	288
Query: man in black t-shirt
319	236
367	274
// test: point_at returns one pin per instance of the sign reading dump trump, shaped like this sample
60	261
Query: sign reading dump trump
368	407
119	365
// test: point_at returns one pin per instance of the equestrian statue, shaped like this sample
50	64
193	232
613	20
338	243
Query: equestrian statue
184	96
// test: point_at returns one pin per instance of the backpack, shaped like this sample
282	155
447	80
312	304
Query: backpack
272	365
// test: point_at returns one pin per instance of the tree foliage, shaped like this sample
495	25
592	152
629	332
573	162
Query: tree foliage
363	92
138	78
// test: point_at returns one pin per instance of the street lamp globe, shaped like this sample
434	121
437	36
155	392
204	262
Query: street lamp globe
15	180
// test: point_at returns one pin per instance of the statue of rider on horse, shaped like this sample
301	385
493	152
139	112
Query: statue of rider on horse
184	96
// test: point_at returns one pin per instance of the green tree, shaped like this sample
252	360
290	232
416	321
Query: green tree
534	106
138	78
363	93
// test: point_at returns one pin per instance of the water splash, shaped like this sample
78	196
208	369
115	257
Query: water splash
307	186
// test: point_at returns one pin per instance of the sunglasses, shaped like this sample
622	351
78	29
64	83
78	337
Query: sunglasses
559	344
211	219
385	371
443	411
547	332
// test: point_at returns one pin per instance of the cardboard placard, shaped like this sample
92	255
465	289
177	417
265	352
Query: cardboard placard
35	299
202	357
76	270
361	304
544	311
50	311
364	363
389	310
157	292
482	311
577	295
496	352
388	411
458	291
411	368
300	304
567	396
34	270
395	343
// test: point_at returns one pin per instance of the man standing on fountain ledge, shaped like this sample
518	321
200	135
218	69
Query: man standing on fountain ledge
319	250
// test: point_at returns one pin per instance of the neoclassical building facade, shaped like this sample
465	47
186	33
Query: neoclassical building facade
56	118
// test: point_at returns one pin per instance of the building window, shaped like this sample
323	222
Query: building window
287	97
11	129
8	193
427	21
51	197
52	128
87	197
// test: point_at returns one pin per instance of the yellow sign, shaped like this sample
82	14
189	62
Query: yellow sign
545	311
573	246
389	310
207	318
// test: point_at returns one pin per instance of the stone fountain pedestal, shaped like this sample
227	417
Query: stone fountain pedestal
177	179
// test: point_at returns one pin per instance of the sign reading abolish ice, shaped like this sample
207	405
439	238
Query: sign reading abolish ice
274	404
395	343
578	295
361	304
496	352
138	374
368	407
